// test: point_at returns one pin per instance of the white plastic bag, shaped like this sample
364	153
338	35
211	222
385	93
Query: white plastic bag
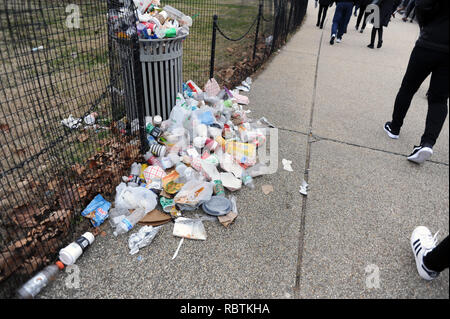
135	197
142	238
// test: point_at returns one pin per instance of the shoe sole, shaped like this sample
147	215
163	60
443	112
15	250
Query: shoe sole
421	156
395	137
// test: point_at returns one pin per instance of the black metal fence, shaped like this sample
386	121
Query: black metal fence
71	120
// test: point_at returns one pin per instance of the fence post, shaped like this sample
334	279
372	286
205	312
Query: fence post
257	29
213	47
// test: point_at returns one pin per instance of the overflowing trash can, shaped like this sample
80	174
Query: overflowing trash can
162	74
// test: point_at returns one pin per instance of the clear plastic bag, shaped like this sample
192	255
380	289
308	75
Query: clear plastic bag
142	238
135	197
193	194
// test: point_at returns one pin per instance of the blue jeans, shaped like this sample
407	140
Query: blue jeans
341	18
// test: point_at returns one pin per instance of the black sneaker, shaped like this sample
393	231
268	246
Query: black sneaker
391	132
332	39
421	154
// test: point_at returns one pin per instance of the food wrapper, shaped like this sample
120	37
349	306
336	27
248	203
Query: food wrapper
97	210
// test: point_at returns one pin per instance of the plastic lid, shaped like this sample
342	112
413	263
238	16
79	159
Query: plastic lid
157	119
59	264
89	236
217	206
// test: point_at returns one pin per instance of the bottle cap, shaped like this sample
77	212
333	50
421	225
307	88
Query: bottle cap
157	120
59	264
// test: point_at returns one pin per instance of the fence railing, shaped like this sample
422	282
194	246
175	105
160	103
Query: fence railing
67	128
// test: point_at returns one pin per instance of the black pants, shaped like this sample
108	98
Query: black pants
362	14
410	8
421	63
322	13
439	258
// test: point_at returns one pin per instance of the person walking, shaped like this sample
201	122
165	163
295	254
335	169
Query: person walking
431	259
386	8
341	19
362	13
323	8
429	56
409	9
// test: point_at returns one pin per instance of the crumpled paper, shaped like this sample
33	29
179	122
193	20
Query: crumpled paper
142	238
287	165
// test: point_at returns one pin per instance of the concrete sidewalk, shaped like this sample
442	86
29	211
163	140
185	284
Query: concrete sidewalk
329	104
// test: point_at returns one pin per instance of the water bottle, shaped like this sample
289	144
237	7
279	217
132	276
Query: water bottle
33	286
128	222
258	170
247	179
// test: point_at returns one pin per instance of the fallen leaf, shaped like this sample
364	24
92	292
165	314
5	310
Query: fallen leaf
82	191
4	127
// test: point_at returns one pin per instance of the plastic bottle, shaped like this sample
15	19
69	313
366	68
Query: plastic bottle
134	175
128	222
33	286
258	170
247	179
70	254
178	15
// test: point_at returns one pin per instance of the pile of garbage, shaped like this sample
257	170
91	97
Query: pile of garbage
198	158
208	146
150	21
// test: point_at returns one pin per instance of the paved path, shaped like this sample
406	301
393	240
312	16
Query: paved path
365	198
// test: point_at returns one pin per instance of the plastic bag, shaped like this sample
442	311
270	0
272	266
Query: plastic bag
193	194
142	238
135	197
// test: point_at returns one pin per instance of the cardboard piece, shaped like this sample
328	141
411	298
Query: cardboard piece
155	218
267	189
227	219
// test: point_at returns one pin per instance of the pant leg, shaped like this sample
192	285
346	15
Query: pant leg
438	259
419	67
345	19
380	34
319	14
409	8
324	15
438	94
360	15
366	15
337	17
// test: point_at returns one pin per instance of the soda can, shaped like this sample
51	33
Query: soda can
218	189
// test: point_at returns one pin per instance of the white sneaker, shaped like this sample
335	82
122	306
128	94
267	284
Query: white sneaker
422	242
338	40
420	154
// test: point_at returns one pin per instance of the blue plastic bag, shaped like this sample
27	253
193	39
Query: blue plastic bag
206	118
97	210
